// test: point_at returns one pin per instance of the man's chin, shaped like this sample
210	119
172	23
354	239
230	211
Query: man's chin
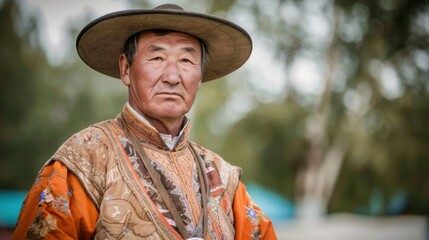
171	112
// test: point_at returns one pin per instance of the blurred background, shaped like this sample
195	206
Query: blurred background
329	118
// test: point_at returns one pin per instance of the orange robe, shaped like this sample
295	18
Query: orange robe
58	207
80	223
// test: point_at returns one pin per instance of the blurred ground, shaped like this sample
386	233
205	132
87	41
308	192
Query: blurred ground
353	227
342	227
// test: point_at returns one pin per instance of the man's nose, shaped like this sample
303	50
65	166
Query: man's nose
171	73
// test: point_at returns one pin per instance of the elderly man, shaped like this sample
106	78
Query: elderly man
139	176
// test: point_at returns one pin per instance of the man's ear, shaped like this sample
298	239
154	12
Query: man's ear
199	84
124	70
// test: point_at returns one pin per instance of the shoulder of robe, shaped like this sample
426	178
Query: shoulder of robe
86	155
229	173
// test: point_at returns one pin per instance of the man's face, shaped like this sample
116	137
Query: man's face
164	76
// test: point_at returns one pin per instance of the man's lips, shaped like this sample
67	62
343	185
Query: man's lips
170	94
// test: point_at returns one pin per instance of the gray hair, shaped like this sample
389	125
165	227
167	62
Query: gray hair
130	47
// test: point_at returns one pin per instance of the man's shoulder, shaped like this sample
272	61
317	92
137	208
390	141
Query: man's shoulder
210	156
92	138
206	154
94	130
228	174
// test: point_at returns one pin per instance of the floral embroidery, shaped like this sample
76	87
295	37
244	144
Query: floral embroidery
46	196
255	215
60	202
41	226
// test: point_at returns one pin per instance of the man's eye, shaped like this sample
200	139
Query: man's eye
186	60
156	59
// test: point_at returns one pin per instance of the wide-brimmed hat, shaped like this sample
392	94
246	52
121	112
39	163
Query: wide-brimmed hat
101	42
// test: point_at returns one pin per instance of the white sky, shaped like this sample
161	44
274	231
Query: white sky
56	14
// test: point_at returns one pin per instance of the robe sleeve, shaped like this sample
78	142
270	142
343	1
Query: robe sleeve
56	207
249	220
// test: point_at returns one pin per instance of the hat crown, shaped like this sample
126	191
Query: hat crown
169	6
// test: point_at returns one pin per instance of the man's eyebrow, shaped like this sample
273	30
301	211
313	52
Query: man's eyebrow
190	49
155	48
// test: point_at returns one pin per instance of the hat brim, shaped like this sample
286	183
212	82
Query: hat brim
101	42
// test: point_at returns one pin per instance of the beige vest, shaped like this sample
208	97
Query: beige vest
97	157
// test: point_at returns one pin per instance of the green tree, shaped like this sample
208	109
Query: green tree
366	129
43	105
20	59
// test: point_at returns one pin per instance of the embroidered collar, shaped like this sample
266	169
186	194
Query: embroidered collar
146	132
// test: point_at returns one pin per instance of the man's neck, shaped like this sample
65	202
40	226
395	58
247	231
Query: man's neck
172	128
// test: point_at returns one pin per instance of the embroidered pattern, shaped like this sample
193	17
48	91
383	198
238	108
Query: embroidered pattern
60	203
41	226
171	185
36	181
255	215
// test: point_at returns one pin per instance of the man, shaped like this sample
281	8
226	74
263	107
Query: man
139	176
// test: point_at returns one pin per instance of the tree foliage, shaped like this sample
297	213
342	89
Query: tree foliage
41	105
365	132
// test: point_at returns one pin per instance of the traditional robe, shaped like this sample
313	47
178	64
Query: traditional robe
96	187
